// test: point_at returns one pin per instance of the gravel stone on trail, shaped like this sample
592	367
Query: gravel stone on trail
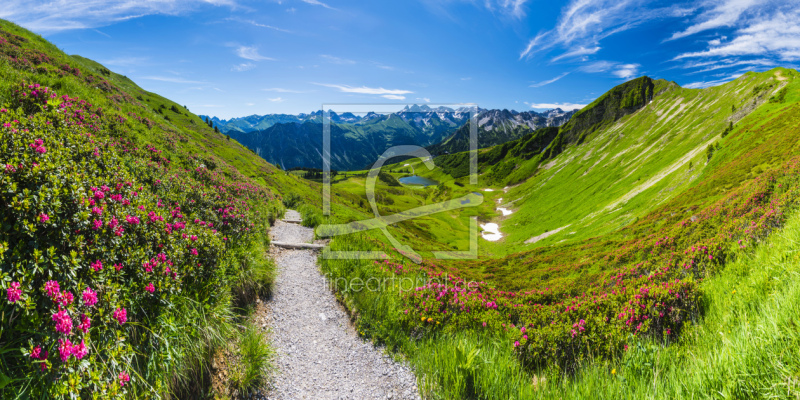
318	353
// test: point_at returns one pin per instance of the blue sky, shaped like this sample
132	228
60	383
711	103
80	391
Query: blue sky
238	57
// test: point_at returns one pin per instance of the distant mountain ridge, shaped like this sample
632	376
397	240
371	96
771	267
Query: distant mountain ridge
501	126
296	140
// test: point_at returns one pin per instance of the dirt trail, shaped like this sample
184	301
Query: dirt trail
319	354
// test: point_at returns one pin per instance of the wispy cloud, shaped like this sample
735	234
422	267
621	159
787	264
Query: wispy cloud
243	67
579	51
584	23
172	80
125	61
250	53
336	60
620	70
48	16
393	97
705	84
549	81
776	35
257	24
717	14
365	89
626	71
317	3
276	99
505	8
282	90
726	63
425	99
550	106
103	33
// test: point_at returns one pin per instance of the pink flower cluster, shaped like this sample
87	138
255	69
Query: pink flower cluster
89	297
66	349
38	146
123	378
121	315
63	322
13	292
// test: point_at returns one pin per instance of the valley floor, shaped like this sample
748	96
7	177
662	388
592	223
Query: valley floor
319	355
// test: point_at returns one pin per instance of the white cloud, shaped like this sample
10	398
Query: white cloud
577	52
705	84
584	23
549	81
365	89
776	35
250	104
250	53
626	71
515	8
125	61
597	66
317	3
550	106
171	79
336	60
282	90
726	63
47	16
425	99
393	97
718	13
254	23
243	67
276	99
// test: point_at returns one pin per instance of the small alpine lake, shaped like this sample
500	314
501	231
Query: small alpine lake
416	180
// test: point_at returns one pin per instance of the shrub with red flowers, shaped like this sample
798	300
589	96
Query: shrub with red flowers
76	201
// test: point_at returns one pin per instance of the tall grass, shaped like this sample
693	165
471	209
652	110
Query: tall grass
254	356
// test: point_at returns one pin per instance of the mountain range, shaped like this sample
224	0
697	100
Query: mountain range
357	141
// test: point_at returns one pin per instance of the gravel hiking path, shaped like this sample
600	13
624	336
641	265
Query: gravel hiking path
318	353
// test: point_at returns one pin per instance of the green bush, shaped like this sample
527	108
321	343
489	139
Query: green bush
117	266
292	200
312	216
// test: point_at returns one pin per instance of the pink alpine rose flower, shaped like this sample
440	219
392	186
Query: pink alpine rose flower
85	324
64	349
52	289
79	350
63	322
123	378
121	315
89	297
44	218
13	292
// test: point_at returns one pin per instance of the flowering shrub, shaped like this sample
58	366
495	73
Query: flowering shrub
77	200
